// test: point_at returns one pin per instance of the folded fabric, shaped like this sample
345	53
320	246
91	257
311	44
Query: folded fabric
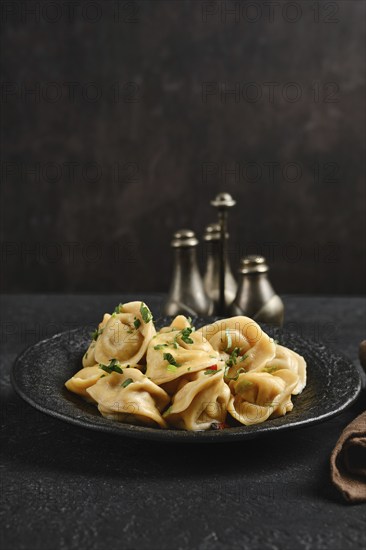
348	461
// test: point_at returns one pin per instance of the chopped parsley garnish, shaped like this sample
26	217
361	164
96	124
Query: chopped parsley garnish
136	323
168	357
211	370
229	340
118	309
167	412
103	375
189	319
94	335
236	376
145	313
175	343
161	346
171	368
234	357
185	335
127	383
270	369
114	366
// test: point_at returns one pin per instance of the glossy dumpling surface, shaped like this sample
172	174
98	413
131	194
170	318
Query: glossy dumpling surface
200	401
126	335
130	397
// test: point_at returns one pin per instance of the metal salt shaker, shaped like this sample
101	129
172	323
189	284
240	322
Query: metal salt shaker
187	295
211	278
222	201
256	297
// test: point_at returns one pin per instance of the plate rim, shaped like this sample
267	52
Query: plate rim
239	433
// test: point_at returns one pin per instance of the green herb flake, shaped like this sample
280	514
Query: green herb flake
188	369
229	340
236	376
167	412
145	313
136	323
160	346
114	366
171	368
270	369
211	371
127	383
185	335
94	335
118	309
169	357
103	375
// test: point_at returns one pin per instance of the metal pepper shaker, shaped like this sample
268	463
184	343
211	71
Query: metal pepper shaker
256	297
211	280
187	295
223	202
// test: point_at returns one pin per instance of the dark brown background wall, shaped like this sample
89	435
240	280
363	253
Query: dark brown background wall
142	111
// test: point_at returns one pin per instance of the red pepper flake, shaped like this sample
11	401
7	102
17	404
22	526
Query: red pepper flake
214	367
219	426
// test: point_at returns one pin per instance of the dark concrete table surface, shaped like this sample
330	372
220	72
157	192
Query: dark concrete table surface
64	487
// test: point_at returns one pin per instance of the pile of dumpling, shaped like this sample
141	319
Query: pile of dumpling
184	378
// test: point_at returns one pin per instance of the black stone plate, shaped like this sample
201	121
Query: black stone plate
40	372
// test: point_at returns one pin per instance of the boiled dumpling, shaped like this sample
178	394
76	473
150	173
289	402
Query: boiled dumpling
201	401
241	343
286	358
176	352
258	395
89	356
126	335
130	397
85	378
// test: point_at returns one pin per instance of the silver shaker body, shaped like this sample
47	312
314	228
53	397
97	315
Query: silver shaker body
256	297
211	278
187	295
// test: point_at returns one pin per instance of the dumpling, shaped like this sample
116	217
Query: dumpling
200	401
241	343
259	395
85	378
286	358
89	356
126	335
176	352
180	322
130	397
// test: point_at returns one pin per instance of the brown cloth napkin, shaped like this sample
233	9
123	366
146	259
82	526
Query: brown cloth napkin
348	461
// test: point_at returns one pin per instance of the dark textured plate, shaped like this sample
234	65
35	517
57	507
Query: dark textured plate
40	372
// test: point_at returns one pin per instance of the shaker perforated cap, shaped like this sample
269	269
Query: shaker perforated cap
253	264
184	238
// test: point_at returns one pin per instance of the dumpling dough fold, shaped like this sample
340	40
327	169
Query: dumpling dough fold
241	343
199	402
125	335
85	378
130	397
175	352
286	358
258	395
